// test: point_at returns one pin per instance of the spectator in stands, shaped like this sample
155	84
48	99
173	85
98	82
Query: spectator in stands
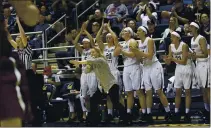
129	23
173	26
153	33
72	90
199	9
147	13
59	8
205	26
41	26
95	29
186	30
10	20
51	80
116	11
182	13
64	64
45	13
97	17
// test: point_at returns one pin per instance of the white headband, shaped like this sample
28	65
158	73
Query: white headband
194	24
109	34
128	29
143	29
85	39
176	34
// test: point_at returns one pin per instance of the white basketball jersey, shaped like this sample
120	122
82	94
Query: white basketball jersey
111	59
127	60
195	46
86	54
177	53
143	46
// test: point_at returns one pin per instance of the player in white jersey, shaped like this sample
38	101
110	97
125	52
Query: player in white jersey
199	47
88	80
107	81
178	53
132	71
111	54
153	75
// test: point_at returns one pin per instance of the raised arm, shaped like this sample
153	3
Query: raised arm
98	38
75	42
22	33
10	39
84	26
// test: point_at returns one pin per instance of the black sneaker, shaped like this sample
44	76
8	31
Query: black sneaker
168	116
176	117
187	118
109	118
149	118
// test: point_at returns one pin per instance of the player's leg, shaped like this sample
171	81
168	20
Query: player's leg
157	79
128	88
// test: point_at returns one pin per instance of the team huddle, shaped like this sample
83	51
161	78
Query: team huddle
142	71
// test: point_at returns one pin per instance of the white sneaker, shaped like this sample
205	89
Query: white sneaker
60	72
40	57
68	67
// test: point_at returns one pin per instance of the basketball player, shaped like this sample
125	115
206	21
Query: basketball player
107	81
152	72
178	53
132	71
199	47
111	54
88	80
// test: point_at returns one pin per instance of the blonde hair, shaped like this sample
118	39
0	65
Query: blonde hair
176	22
99	52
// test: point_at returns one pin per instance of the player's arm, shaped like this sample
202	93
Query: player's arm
203	45
75	42
98	38
12	42
90	38
167	59
22	33
184	58
149	55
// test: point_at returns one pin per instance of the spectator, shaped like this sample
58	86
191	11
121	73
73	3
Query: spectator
205	26
182	13
41	26
173	26
116	11
51	80
97	17
59	8
95	29
10	20
153	33
45	13
64	64
147	13
199	9
129	23
73	89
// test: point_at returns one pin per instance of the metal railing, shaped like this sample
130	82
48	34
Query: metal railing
46	59
79	15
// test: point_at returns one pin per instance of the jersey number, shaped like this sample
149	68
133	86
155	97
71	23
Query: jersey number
108	56
178	57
